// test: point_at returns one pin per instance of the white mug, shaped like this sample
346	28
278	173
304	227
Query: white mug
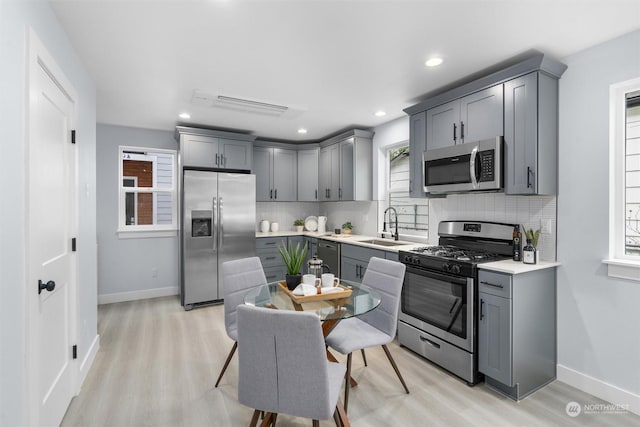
328	280
274	227
309	279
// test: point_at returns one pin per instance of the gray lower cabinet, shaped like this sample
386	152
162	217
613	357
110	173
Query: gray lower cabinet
204	148
308	175
276	174
531	134
272	264
517	330
355	259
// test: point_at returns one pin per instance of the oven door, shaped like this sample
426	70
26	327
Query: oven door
440	304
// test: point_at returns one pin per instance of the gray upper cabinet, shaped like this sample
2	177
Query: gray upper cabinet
308	175
205	148
417	140
471	118
518	101
530	134
276	174
345	167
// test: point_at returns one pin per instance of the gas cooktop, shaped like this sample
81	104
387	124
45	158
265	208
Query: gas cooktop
456	253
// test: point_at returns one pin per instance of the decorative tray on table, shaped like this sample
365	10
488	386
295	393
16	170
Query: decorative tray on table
300	299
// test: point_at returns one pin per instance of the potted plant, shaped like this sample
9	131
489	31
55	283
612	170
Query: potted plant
347	227
299	224
293	259
532	236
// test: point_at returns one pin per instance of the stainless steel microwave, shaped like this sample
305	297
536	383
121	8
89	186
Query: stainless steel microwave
473	166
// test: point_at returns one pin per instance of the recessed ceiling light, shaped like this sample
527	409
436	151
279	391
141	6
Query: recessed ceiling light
302	130
184	115
433	62
380	113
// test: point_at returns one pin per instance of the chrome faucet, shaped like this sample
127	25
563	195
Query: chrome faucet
384	222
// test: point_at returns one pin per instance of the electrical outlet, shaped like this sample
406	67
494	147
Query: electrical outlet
545	226
154	272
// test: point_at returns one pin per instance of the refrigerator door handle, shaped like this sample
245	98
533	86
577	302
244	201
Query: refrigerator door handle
221	224
214	227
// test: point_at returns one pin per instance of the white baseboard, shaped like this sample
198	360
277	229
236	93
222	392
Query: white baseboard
599	389
87	362
136	295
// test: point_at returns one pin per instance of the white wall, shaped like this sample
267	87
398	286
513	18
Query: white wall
15	18
126	266
598	316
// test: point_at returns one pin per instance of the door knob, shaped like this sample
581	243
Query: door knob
49	286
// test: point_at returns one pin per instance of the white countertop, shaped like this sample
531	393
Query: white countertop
352	239
510	266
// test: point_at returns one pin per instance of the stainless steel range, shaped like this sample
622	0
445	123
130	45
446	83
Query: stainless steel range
439	303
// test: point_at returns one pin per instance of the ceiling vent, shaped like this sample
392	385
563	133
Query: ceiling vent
204	99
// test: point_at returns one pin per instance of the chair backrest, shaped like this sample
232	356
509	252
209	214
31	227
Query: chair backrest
386	277
283	363
239	276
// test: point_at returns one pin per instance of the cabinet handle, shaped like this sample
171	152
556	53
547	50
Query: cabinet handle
270	243
454	133
271	194
529	171
482	282
316	194
275	193
339	193
462	131
223	160
217	159
481	309
328	193
269	257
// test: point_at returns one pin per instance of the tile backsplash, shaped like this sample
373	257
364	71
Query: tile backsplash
528	211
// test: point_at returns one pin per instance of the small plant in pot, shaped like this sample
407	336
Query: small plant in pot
347	227
299	224
293	259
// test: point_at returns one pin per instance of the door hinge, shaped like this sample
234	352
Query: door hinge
74	351
73	244
73	136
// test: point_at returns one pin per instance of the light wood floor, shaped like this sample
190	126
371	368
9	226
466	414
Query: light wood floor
157	365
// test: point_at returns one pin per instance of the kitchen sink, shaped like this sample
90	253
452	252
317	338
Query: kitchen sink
382	242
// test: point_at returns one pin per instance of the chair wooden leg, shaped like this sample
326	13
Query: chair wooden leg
342	415
254	419
226	363
347	383
395	367
364	357
316	423
269	419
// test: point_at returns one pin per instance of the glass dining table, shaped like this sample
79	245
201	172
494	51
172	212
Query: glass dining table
354	299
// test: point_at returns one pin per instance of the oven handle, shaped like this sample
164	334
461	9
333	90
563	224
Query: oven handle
428	341
438	276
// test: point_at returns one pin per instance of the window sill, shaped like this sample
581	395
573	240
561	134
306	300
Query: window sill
623	269
144	234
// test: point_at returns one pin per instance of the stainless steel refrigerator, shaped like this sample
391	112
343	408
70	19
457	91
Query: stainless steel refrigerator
218	224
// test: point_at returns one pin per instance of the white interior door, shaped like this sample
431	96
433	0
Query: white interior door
51	201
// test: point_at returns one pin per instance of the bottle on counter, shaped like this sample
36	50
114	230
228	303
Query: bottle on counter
529	254
517	244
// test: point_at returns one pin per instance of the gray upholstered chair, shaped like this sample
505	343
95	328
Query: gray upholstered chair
239	276
378	327
283	366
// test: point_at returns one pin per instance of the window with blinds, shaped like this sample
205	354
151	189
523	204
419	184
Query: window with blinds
413	214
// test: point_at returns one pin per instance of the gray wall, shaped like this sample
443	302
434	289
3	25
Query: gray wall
15	18
126	265
598	316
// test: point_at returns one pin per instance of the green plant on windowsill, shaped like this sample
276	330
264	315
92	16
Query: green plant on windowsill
293	259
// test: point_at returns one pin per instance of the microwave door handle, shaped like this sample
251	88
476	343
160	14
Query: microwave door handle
472	167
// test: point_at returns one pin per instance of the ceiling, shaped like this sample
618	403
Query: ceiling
333	63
